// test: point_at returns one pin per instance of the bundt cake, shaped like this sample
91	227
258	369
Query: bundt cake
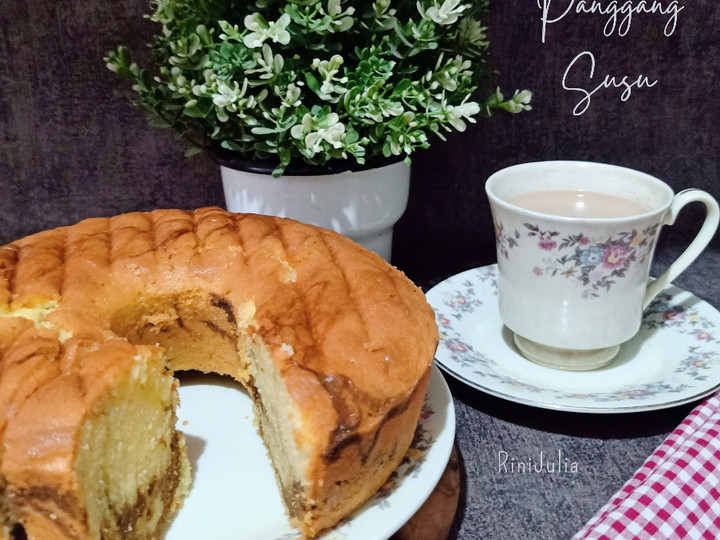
333	344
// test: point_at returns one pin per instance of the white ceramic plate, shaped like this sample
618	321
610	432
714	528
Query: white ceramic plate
234	494
674	358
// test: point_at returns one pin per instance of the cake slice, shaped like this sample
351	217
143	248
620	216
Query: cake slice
93	452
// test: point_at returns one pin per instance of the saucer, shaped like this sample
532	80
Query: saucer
673	359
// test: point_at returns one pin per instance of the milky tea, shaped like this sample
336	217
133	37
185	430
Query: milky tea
573	274
578	203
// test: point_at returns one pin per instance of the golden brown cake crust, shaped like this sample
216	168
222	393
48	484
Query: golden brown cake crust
352	338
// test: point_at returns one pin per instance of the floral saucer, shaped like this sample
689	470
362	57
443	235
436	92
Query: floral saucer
674	358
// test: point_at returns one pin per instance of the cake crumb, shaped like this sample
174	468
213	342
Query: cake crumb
289	273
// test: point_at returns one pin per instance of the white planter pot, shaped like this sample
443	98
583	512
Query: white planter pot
362	205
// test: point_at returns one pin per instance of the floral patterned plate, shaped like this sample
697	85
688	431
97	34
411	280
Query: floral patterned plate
234	494
674	358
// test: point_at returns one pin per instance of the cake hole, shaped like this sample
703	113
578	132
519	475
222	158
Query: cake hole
18	532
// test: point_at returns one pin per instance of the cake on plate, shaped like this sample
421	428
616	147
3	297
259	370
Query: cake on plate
332	343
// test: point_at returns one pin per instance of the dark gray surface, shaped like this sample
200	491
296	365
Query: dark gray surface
597	452
71	147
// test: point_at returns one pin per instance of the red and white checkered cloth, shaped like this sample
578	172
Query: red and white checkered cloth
676	493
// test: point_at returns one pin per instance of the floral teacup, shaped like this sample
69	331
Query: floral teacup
573	289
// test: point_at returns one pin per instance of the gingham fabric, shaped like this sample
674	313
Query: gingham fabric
676	493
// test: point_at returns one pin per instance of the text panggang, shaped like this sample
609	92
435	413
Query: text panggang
618	15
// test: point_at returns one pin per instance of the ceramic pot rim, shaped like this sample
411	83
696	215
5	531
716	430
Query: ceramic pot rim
234	160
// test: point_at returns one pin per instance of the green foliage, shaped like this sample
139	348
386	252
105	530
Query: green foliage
315	79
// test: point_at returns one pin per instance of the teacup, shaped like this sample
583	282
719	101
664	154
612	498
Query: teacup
574	280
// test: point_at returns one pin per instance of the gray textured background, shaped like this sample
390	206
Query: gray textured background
71	147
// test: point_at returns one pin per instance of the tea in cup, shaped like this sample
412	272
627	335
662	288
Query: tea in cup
575	242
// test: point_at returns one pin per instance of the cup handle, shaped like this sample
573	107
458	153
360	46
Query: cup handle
700	242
